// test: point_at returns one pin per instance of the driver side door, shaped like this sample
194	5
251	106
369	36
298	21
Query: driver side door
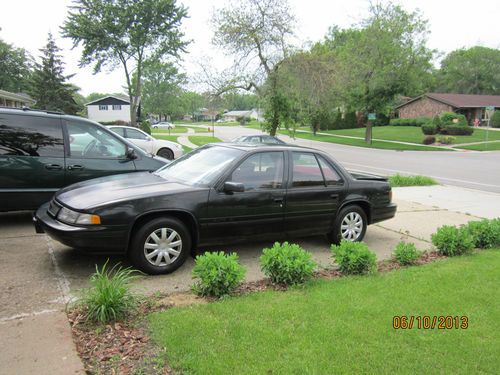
93	152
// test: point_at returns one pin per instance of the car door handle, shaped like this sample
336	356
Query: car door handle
334	196
53	167
75	167
278	200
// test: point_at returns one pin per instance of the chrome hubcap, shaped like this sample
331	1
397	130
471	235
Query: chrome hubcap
162	247
351	226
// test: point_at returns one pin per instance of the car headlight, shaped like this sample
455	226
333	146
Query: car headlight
72	217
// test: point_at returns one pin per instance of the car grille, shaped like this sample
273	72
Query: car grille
53	208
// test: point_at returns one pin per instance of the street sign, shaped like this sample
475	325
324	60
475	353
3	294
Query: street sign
490	108
372	116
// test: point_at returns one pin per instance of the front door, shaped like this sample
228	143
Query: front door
140	139
313	195
256	213
31	160
94	152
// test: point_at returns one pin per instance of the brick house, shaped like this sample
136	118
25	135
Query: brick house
432	104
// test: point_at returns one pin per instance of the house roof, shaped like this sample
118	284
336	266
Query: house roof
461	100
16	96
124	100
238	113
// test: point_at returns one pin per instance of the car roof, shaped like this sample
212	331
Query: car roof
247	147
123	126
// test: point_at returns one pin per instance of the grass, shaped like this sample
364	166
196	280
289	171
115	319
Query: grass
398	181
345	325
202	140
361	142
177	129
490	146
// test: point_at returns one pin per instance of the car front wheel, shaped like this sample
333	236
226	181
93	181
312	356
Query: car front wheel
166	153
160	246
350	225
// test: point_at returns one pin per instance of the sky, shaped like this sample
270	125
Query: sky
453	24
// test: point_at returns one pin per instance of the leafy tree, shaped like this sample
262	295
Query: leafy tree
257	33
162	89
238	102
15	68
126	33
191	102
385	56
49	86
470	71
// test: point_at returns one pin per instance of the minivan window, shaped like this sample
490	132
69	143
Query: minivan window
30	136
90	142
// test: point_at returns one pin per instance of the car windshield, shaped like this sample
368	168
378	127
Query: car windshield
201	166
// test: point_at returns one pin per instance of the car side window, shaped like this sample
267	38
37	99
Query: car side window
135	134
263	170
119	131
90	142
23	135
306	171
331	175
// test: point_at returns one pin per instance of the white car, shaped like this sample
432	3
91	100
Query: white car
166	149
163	125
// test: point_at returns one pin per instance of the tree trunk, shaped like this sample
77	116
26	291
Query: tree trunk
368	132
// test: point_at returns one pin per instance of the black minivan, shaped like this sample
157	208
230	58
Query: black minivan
41	152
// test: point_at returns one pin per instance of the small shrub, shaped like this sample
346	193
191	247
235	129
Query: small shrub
398	180
495	119
419	121
145	126
429	129
109	296
287	264
451	241
218	273
457	130
354	258
406	253
485	233
452	118
445	140
429	140
436	121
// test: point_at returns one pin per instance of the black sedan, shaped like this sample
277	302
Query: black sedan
215	195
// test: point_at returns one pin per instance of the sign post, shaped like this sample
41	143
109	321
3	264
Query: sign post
368	134
489	110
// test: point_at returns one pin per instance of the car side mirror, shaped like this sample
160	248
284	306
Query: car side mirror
130	154
233	187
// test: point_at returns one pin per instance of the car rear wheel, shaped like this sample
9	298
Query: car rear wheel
166	153
350	225
160	246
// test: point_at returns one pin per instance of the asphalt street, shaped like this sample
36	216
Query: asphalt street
473	170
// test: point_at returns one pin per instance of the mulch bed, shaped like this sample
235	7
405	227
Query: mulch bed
125	348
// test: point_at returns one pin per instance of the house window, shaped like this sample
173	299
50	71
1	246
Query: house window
103	107
117	107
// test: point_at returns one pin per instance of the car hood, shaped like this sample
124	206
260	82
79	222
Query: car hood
121	187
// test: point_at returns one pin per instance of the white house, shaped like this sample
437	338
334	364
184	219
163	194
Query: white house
108	109
233	115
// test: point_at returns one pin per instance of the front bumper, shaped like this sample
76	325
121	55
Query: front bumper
383	213
101	238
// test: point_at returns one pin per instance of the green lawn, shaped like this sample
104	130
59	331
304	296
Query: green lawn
492	146
398	181
345	325
361	142
202	140
177	129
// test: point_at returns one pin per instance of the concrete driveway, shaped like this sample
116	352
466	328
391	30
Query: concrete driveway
38	276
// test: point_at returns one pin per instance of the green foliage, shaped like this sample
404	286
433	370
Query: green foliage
398	181
445	139
429	129
457	130
287	264
145	126
381	120
485	233
15	68
436	121
109	296
354	258
243	119
218	274
470	71
406	253
495	119
49	85
451	241
418	121
429	140
452	118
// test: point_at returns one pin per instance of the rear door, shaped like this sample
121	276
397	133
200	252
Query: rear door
31	160
93	152
140	139
313	194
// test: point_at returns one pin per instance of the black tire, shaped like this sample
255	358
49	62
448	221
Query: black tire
143	237
166	153
355	212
